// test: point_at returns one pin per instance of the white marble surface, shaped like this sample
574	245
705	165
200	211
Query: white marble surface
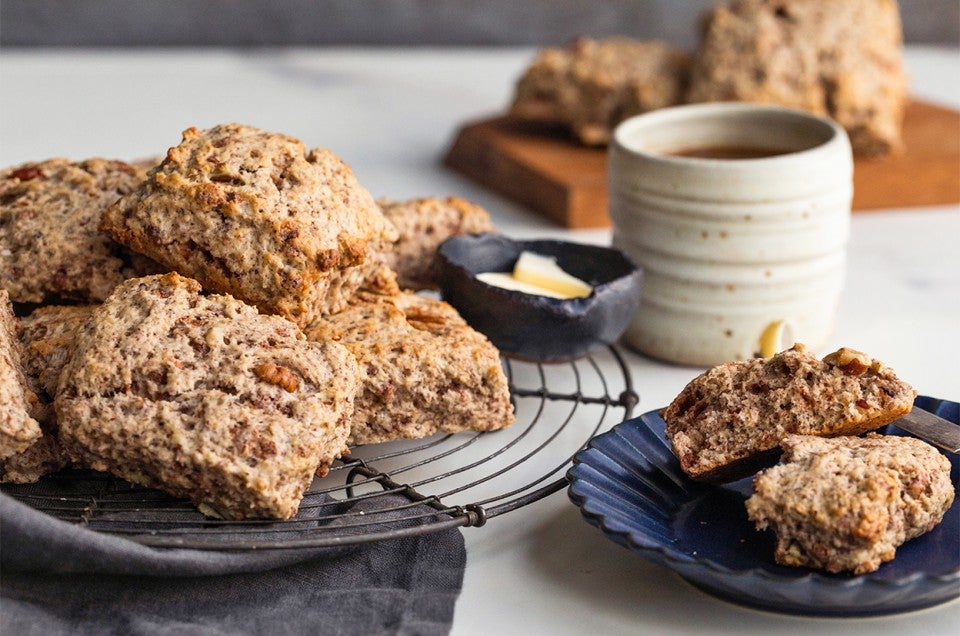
391	114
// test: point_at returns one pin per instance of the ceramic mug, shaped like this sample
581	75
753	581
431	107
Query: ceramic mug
739	216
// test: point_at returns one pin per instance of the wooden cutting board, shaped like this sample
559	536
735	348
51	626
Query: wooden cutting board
539	167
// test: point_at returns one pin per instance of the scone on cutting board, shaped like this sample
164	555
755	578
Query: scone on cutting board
205	398
730	420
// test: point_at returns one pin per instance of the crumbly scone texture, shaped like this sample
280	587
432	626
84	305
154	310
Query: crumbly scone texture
593	85
43	457
254	214
18	428
836	59
50	247
46	337
423	369
423	224
846	503
205	398
726	417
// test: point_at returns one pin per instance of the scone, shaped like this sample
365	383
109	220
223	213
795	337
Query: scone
205	398
847	503
836	59
254	214
423	369
47	336
593	85
50	247
423	224
731	419
18	429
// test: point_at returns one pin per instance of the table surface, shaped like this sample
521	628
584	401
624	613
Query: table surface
391	114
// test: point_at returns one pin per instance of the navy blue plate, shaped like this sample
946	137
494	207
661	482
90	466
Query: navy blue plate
628	483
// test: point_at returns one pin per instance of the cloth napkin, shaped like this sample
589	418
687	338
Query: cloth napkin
58	578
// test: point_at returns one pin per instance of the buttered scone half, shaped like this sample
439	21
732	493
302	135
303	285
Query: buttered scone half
423	224
47	336
205	398
423	369
256	215
50	246
731	419
846	503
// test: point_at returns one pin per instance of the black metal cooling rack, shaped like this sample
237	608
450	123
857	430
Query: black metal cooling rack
383	491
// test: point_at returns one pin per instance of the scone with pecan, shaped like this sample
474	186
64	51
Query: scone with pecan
204	397
50	247
423	224
731	419
593	85
254	214
18	429
847	503
837	59
47	336
423	369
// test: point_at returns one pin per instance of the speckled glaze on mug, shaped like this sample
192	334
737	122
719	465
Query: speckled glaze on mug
728	246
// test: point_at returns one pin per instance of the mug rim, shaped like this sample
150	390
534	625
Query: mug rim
677	116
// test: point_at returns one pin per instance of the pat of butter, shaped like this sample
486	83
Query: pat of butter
538	275
505	280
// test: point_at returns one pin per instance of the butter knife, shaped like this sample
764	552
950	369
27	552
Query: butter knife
931	428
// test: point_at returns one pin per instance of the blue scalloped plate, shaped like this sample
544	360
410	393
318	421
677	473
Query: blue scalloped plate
628	483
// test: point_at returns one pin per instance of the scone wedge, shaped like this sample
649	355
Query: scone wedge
47	336
423	369
50	247
423	224
205	398
256	215
845	504
730	420
18	429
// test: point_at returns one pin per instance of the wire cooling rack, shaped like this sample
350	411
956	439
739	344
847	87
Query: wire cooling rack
388	490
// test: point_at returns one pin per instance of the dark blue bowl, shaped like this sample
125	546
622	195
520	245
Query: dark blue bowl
628	483
532	327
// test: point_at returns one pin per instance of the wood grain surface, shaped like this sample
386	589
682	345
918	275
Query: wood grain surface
541	168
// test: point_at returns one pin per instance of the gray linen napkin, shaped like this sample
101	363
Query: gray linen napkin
57	578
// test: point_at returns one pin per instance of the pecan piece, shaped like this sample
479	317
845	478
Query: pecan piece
278	375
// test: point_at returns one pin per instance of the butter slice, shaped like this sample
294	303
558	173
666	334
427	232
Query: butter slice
506	280
544	272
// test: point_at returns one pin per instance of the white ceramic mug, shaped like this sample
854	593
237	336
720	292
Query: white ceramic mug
729	246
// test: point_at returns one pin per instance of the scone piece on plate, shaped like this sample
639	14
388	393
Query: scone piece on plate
254	214
47	336
18	429
50	247
205	398
423	224
839	59
730	420
423	369
846	503
593	85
